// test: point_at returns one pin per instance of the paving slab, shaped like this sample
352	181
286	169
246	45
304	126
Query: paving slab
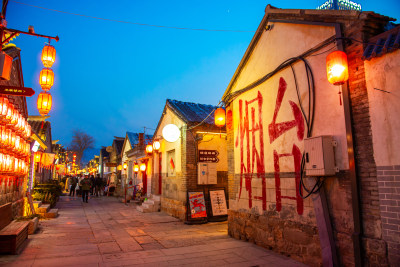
106	232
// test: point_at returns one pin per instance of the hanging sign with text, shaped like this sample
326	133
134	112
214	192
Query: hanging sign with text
208	156
16	90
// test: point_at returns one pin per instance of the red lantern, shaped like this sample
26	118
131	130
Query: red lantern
143	167
44	103
46	79
156	145
149	149
10	113
48	55
3	107
136	167
337	68
219	117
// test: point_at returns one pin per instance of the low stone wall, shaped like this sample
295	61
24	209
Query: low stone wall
290	238
174	208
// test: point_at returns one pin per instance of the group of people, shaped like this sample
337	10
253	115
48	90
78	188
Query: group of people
87	185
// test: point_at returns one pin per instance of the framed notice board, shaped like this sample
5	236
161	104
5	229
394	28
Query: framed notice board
219	207
196	207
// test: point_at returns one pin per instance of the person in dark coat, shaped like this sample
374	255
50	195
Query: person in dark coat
85	185
98	183
92	187
73	186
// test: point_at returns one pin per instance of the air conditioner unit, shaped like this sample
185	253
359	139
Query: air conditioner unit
320	156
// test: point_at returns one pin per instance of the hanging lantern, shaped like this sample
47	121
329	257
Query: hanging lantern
149	149
48	55
44	103
10	113
143	167
136	167
46	79
38	156
3	107
125	166
219	117
156	145
337	68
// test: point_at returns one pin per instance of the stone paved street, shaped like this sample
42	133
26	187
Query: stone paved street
105	232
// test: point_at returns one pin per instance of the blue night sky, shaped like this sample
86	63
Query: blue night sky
113	77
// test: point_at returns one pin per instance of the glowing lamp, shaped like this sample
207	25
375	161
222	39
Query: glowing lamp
119	167
38	156
337	68
48	55
135	167
10	113
219	117
3	107
143	167
156	145
125	166
44	103
171	132
46	79
149	149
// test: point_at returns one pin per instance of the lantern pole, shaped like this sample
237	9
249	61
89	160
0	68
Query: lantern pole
14	32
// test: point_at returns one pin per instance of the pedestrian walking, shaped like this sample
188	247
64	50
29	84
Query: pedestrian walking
92	186
85	185
98	182
73	182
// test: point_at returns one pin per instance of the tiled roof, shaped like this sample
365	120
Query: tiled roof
134	138
192	112
37	127
383	43
119	144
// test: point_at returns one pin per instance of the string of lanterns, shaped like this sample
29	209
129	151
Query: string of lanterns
14	145
46	79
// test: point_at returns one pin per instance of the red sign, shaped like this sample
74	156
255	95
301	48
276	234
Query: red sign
16	90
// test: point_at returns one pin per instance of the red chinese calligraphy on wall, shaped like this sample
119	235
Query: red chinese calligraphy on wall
277	129
250	130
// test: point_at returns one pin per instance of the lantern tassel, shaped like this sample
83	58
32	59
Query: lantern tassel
340	97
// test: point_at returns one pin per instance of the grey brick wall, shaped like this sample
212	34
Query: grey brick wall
389	199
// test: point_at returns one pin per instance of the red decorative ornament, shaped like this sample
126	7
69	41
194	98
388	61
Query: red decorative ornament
337	68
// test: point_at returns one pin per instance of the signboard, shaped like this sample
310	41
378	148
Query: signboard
197	205
218	202
16	90
111	164
208	156
207	173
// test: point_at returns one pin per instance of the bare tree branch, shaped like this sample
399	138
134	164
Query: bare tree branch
80	142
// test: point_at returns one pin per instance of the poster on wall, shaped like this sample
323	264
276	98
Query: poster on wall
197	205
218	202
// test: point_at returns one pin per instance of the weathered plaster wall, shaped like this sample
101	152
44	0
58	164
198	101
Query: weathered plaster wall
384	73
267	135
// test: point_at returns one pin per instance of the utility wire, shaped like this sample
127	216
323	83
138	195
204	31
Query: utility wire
129	22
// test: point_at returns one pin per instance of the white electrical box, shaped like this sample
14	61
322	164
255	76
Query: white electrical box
207	173
320	156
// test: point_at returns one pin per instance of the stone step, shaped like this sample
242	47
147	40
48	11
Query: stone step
33	224
37	203
43	208
142	209
156	197
152	202
53	213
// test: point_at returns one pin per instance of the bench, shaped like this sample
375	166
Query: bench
12	233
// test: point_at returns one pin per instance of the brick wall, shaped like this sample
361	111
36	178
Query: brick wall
389	199
374	248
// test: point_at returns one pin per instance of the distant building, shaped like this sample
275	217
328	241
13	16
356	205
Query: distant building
340	5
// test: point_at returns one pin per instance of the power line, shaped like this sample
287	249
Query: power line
128	22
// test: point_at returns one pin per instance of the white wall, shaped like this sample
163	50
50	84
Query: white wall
384	73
